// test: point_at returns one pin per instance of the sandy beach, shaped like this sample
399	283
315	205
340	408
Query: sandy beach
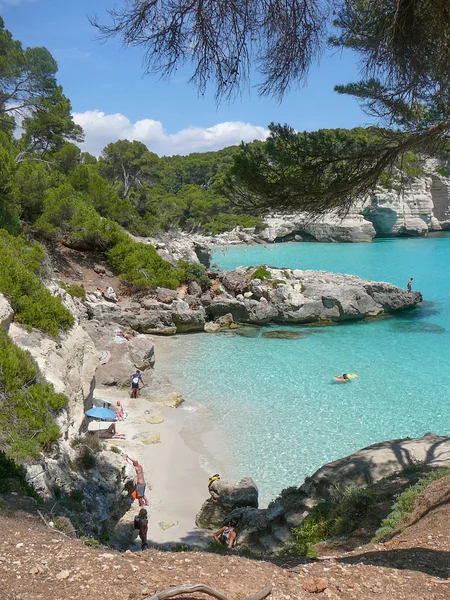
175	451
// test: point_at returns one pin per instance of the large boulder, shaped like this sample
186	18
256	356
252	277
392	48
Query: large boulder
186	319
142	352
124	360
224	498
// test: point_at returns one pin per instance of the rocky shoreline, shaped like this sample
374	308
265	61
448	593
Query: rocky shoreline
254	295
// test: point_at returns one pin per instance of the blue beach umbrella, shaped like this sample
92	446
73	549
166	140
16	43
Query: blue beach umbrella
98	412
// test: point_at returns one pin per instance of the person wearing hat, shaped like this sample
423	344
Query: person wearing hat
136	378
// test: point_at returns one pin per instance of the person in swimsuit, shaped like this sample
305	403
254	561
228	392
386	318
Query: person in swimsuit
140	481
226	535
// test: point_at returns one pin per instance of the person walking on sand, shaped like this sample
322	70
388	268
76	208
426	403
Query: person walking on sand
135	379
140	481
409	284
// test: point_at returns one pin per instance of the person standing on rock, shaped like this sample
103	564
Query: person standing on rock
409	284
136	378
140	481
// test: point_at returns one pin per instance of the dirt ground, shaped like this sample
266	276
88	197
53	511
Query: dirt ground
38	562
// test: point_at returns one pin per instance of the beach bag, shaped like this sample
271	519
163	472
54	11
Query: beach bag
137	522
134	494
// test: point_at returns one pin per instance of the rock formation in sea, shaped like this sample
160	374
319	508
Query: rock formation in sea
268	531
258	296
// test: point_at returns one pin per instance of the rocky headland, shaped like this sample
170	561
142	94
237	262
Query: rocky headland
254	296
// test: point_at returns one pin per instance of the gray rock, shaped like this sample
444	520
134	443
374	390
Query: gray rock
165	295
99	269
225	321
194	289
110	295
186	319
211	327
224	498
142	352
284	335
221	306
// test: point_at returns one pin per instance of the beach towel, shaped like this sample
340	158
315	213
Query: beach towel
104	357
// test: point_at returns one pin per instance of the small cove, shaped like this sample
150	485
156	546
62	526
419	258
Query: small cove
278	416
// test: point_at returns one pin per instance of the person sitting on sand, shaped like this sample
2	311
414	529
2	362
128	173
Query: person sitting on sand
226	535
140	481
135	379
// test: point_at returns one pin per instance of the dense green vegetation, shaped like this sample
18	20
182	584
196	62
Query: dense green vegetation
403	51
32	303
29	405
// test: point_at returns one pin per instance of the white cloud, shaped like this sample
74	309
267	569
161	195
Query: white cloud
100	129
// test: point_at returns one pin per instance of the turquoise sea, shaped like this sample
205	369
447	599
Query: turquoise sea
278	413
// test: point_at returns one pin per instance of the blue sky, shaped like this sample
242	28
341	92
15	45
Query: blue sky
112	100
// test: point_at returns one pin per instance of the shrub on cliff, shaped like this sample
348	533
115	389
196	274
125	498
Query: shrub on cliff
139	265
32	303
194	272
29	405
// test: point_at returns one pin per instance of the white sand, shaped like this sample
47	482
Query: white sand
176	481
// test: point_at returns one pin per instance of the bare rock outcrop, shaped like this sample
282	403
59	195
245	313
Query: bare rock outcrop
224	498
6	312
296	296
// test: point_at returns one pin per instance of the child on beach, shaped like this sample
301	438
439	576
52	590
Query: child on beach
119	412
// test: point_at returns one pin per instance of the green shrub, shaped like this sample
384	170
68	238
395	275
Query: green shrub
90	542
65	525
76	291
29	405
140	266
13	478
443	171
261	273
194	272
339	516
92	442
32	303
404	505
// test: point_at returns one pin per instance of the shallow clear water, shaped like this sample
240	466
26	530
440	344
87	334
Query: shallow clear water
280	416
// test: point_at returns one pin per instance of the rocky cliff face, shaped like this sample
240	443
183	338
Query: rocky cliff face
420	205
101	491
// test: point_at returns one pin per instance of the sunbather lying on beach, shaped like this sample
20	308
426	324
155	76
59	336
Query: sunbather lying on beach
110	433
